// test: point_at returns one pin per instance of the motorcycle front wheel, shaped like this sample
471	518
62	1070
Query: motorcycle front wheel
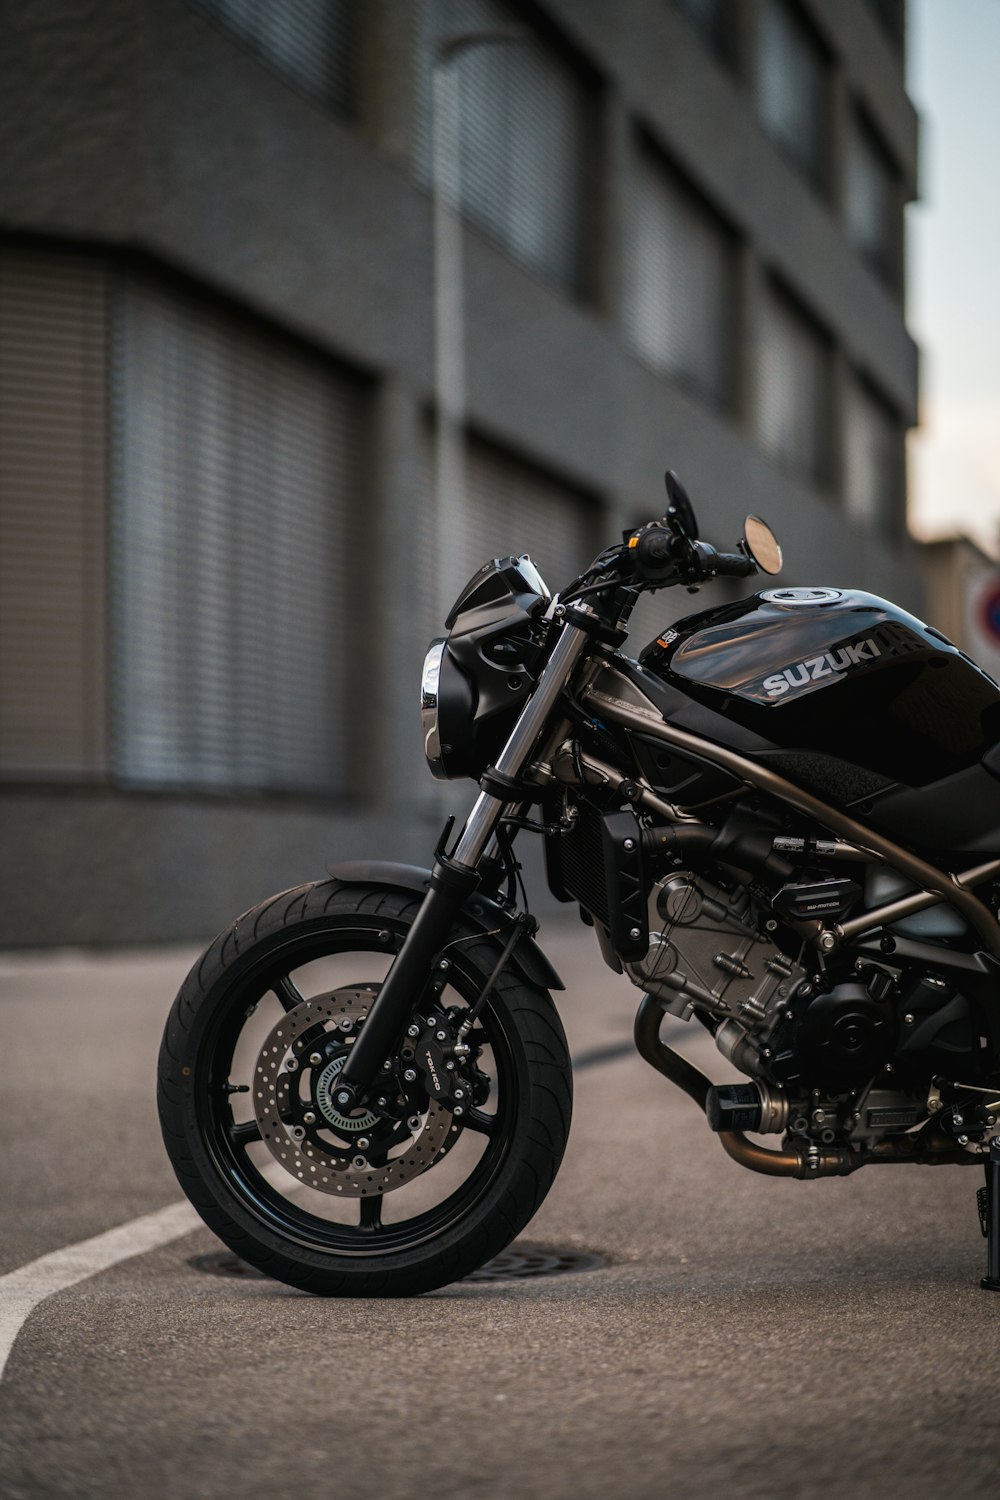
407	1195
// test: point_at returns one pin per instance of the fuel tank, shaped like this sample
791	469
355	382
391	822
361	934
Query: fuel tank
828	672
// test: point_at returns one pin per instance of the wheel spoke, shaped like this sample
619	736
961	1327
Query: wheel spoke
482	1123
244	1135
371	1213
287	993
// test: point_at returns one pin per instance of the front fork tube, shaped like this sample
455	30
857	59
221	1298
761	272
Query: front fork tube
453	879
511	761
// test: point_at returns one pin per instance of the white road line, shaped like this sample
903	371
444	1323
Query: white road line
22	1290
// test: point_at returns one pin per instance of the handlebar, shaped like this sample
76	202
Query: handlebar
660	556
724	564
664	553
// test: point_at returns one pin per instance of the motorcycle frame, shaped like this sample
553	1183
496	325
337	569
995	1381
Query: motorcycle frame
455	876
936	884
813	1162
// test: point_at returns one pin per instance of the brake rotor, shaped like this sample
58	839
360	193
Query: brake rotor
328	1169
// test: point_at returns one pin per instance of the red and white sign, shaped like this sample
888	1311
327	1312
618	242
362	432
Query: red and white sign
981	608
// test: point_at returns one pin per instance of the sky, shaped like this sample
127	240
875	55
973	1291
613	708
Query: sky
954	268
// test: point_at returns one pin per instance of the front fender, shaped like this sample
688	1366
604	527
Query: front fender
482	911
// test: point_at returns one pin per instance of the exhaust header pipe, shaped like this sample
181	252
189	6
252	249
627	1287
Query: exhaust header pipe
810	1162
739	1107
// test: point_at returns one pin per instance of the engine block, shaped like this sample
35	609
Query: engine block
705	953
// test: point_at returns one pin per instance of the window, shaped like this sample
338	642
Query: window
237	471
511	507
522	137
872	202
515	508
873	457
312	44
679	282
793	89
793	388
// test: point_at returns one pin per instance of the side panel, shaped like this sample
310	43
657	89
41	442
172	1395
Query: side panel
689	780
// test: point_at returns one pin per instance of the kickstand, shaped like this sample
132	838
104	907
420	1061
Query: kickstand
989	1218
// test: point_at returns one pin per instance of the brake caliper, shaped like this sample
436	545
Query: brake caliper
434	1060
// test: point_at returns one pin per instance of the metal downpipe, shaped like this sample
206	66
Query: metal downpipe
821	1163
917	1150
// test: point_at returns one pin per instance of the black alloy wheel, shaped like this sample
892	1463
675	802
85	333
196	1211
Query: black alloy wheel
250	1052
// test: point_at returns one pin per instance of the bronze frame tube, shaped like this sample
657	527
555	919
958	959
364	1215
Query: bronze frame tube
645	795
946	887
908	906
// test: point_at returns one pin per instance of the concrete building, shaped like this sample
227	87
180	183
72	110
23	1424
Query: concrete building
682	247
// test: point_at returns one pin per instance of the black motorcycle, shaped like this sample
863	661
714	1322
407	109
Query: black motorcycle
782	821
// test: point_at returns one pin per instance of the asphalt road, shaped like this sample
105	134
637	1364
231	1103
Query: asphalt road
746	1337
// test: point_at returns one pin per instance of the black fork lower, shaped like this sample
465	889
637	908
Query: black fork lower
455	876
450	885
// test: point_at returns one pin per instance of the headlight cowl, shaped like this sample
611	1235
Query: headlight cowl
476	681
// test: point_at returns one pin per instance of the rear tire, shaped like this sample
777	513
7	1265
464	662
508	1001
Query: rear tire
278	1223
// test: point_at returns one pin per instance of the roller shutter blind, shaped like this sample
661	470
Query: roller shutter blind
238	472
515	508
313	44
873	457
53	433
511	507
872	202
525	124
793	91
794	379
679	281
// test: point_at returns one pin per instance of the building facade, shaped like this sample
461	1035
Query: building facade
682	246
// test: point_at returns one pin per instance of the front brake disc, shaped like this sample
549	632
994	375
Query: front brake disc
326	1167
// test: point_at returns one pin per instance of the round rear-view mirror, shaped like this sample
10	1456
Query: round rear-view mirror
762	545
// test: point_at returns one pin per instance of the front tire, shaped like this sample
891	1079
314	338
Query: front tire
453	1187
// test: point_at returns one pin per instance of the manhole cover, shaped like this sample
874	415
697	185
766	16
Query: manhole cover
518	1261
512	1264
